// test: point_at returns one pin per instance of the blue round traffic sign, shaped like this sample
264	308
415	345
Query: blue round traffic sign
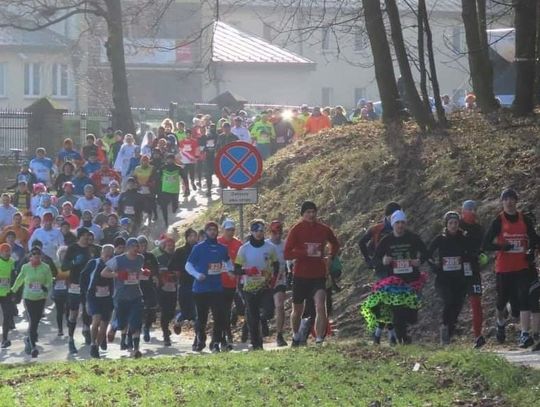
239	165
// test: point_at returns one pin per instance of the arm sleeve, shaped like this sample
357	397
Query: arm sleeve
493	231
379	253
433	247
334	243
19	281
422	250
363	242
192	271
531	232
67	263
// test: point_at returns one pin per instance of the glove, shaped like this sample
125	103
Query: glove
44	288
483	259
146	272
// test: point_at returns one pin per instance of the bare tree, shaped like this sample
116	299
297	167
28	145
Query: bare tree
384	68
525	26
34	15
474	20
422	116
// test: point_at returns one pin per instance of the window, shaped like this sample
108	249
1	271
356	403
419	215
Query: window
32	79
60	80
327	96
361	40
2	79
325	39
359	93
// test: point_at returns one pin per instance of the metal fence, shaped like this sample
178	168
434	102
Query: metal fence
13	132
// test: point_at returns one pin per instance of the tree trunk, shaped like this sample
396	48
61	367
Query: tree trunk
121	114
441	116
422	59
525	25
422	116
480	66
384	70
537	77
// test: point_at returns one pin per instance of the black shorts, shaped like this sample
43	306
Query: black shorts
74	301
514	287
304	288
280	288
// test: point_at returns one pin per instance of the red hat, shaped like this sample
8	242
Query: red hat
5	248
276	226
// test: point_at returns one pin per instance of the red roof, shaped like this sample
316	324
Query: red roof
232	45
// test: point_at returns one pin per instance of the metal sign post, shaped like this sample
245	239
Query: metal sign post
239	166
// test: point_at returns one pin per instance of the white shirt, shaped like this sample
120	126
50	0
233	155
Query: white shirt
6	215
242	133
93	205
127	151
52	239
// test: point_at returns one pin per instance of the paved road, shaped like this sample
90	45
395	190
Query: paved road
54	348
521	357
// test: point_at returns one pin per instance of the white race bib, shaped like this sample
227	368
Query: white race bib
467	269
35	287
132	279
74	289
102	291
60	285
5	282
451	263
210	143
280	140
518	246
145	190
313	249
169	287
129	210
186	148
105	180
402	267
214	269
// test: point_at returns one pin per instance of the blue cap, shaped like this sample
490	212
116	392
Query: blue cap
132	241
125	221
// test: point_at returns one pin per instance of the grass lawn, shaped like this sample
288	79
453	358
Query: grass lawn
347	374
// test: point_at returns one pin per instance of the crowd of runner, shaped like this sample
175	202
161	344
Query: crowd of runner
75	232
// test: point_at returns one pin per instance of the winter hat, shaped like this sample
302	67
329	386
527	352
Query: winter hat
211	225
450	215
398	216
391	207
509	193
469	205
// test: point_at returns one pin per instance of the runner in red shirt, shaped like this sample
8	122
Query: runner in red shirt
232	244
188	150
103	177
306	244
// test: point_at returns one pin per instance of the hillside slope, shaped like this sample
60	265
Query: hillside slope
351	173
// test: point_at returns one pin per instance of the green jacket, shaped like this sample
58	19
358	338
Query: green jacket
260	127
37	281
6	273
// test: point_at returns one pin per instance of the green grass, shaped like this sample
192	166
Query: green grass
351	374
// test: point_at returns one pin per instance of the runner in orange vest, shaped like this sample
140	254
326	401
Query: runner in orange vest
513	237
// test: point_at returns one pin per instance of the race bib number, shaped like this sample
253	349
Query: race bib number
4	282
313	249
402	267
210	143
518	246
60	285
132	279
102	291
467	269
144	277
105	180
214	268
187	148
169	179
169	287
477	289
74	289
129	210
35	287
451	263
280	140
145	190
